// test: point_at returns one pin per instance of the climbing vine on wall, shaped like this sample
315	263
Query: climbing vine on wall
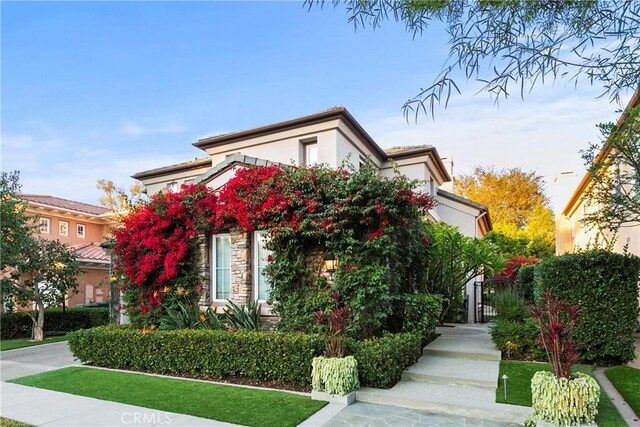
372	224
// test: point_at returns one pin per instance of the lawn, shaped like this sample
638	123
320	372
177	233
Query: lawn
231	404
519	390
627	381
26	342
6	422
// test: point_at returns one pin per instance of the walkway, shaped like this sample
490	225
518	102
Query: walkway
457	375
40	407
34	360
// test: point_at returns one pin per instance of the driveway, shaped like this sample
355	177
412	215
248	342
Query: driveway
34	360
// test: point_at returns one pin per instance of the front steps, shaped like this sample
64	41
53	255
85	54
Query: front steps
457	375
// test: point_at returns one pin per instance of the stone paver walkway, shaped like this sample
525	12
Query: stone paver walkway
457	375
371	415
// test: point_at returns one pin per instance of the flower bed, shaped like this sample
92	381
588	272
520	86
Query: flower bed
283	357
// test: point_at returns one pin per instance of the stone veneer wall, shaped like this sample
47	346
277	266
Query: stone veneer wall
204	244
240	267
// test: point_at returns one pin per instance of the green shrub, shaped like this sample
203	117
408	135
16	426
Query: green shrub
525	281
509	305
518	339
279	356
605	285
421	314
18	325
381	361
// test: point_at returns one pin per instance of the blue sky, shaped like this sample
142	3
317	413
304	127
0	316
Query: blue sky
105	89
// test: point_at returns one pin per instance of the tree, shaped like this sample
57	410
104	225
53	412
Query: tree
523	223
33	270
614	169
454	260
507	44
15	229
118	200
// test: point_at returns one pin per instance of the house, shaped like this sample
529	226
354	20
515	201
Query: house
572	235
232	263
83	227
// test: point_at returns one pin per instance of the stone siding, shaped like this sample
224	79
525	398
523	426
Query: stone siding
240	267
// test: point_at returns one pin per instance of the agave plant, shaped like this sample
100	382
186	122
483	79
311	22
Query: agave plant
243	316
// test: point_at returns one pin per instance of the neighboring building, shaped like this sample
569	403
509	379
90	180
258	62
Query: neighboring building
572	235
83	227
332	137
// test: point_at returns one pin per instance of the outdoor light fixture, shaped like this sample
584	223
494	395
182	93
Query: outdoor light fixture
330	263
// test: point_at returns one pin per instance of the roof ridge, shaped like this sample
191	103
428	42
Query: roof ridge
62	198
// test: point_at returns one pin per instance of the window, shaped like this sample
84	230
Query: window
310	153
221	266
362	161
81	231
172	186
45	225
260	261
63	228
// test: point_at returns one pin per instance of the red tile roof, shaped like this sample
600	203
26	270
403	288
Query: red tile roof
90	252
57	202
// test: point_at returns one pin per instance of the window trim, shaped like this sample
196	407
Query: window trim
60	228
48	221
213	276
304	151
84	231
254	266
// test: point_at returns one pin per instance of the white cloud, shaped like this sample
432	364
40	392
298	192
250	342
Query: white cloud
544	133
135	129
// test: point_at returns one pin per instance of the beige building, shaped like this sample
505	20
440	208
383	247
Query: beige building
573	235
233	262
83	227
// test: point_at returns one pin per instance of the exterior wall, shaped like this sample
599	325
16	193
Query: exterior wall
94	232
283	147
572	235
459	215
241	285
159	183
93	286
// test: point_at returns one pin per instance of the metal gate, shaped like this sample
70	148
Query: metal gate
485	311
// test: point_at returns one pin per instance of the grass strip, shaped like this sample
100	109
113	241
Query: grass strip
519	389
26	342
627	381
6	422
239	405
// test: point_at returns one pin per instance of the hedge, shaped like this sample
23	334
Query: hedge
518	339
264	356
525	281
421	314
19	324
605	284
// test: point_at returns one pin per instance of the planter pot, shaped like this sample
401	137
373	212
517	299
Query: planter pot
347	399
563	401
335	377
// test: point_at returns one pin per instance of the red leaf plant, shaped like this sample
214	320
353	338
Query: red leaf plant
557	320
337	320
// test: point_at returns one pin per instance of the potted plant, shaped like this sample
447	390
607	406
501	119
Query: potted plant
334	378
561	396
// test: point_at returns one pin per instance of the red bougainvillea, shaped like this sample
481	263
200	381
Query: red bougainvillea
157	247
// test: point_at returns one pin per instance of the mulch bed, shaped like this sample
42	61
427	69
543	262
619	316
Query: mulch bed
229	380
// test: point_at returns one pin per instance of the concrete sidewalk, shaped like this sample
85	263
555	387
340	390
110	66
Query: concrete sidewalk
40	407
35	360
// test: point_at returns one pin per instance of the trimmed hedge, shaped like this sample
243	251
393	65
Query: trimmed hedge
19	324
381	361
421	314
518	340
605	284
264	356
525	281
